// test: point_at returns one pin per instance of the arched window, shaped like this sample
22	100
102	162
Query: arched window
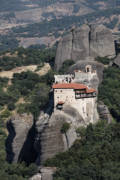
88	68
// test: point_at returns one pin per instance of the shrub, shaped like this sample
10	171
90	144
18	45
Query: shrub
103	60
5	114
65	66
65	127
11	106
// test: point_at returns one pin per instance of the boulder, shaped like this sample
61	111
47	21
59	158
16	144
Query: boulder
83	42
36	177
45	173
104	112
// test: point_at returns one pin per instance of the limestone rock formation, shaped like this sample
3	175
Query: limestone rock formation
86	41
98	67
101	42
104	112
50	140
116	61
19	143
47	173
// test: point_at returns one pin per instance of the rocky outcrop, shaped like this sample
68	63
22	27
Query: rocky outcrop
104	112
36	177
49	139
98	67
20	140
101	42
116	61
86	41
45	173
48	142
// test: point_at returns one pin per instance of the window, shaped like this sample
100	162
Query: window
88	70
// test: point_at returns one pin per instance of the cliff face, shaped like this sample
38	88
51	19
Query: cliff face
104	112
19	144
87	41
116	61
50	140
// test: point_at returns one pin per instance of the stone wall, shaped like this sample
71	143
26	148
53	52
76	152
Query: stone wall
65	95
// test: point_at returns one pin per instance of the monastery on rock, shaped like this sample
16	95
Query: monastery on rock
77	95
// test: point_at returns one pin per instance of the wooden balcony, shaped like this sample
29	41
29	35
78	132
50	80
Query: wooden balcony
84	95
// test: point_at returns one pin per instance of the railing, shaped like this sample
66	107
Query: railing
79	96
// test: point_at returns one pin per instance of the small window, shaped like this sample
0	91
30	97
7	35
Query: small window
61	91
88	70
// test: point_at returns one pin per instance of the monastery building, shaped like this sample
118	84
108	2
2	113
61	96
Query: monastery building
77	95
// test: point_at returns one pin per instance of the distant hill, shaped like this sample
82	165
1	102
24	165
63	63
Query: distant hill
43	22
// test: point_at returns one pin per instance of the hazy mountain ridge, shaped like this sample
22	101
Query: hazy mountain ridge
24	20
16	12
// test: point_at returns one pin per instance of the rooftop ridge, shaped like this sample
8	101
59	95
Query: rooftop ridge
72	86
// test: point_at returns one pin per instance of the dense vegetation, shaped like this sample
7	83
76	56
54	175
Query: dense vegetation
34	89
109	91
65	66
29	86
95	157
8	42
23	57
103	60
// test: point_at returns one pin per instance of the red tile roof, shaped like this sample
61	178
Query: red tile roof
69	86
90	90
75	86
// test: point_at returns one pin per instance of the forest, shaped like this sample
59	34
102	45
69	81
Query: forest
96	156
23	57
